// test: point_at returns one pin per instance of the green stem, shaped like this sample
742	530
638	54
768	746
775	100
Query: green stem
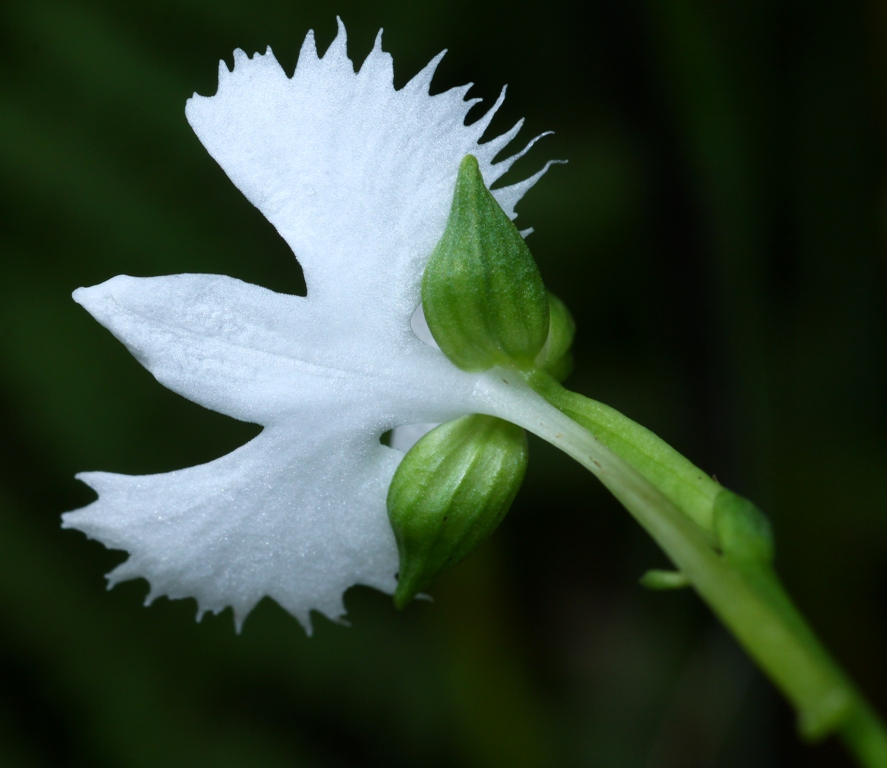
679	480
667	495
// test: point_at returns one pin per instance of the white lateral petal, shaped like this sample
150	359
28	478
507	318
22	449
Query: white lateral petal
299	520
509	196
268	358
483	122
237	348
421	81
503	166
357	177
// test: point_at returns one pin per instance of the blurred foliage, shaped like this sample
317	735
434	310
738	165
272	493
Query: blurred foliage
719	237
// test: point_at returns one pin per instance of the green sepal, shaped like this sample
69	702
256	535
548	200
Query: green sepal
449	493
743	531
555	357
663	580
482	293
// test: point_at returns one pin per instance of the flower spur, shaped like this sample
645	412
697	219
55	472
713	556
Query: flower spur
357	177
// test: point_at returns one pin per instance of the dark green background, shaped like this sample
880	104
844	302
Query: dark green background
719	234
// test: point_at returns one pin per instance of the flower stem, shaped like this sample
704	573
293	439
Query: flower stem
719	543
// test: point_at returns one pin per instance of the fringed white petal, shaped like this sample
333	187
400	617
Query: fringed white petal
356	176
297	518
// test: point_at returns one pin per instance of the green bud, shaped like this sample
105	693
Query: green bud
483	296
663	580
449	493
555	358
743	531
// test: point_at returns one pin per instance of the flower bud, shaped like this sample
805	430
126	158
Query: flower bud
660	580
483	296
743	531
555	358
449	493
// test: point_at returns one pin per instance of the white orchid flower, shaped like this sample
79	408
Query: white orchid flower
357	177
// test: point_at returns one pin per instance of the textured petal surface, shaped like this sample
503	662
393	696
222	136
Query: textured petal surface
356	176
270	358
301	521
227	345
358	179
